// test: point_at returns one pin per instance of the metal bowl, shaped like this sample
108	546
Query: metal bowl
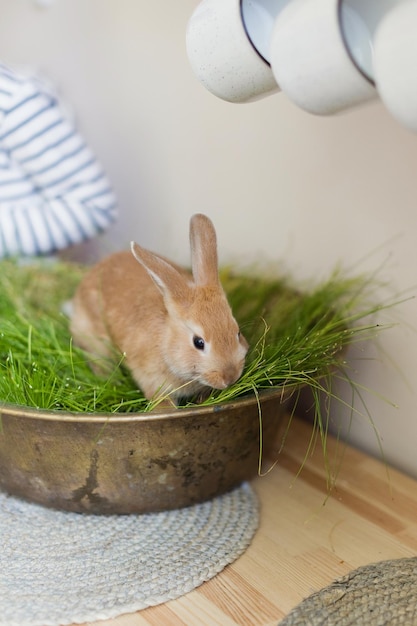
134	463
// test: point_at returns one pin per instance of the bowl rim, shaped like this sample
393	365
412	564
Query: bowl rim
50	415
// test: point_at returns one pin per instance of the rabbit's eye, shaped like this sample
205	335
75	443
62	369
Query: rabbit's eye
198	342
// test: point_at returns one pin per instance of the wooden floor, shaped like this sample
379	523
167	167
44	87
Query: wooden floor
305	540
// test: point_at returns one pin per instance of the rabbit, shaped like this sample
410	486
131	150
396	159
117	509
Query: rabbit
176	330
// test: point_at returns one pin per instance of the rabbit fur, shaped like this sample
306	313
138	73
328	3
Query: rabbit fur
176	330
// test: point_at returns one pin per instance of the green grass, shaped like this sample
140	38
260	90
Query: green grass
297	338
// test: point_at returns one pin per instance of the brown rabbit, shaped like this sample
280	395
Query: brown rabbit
177	331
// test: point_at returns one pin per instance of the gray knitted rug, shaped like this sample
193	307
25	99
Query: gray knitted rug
61	568
381	594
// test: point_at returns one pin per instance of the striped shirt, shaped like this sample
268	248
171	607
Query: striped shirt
53	191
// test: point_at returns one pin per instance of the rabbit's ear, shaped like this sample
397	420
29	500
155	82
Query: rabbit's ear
203	241
168	280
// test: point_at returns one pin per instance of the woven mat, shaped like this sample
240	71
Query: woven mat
382	594
63	568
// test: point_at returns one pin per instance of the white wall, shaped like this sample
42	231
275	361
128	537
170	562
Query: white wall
279	184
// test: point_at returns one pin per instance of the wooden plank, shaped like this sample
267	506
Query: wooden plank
306	538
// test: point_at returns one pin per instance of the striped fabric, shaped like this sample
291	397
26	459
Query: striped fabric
53	191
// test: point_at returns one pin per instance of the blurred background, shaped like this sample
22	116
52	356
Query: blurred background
283	187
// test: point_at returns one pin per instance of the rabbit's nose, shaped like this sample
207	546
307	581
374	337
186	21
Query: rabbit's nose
231	374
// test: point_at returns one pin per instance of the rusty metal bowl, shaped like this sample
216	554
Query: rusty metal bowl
134	463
